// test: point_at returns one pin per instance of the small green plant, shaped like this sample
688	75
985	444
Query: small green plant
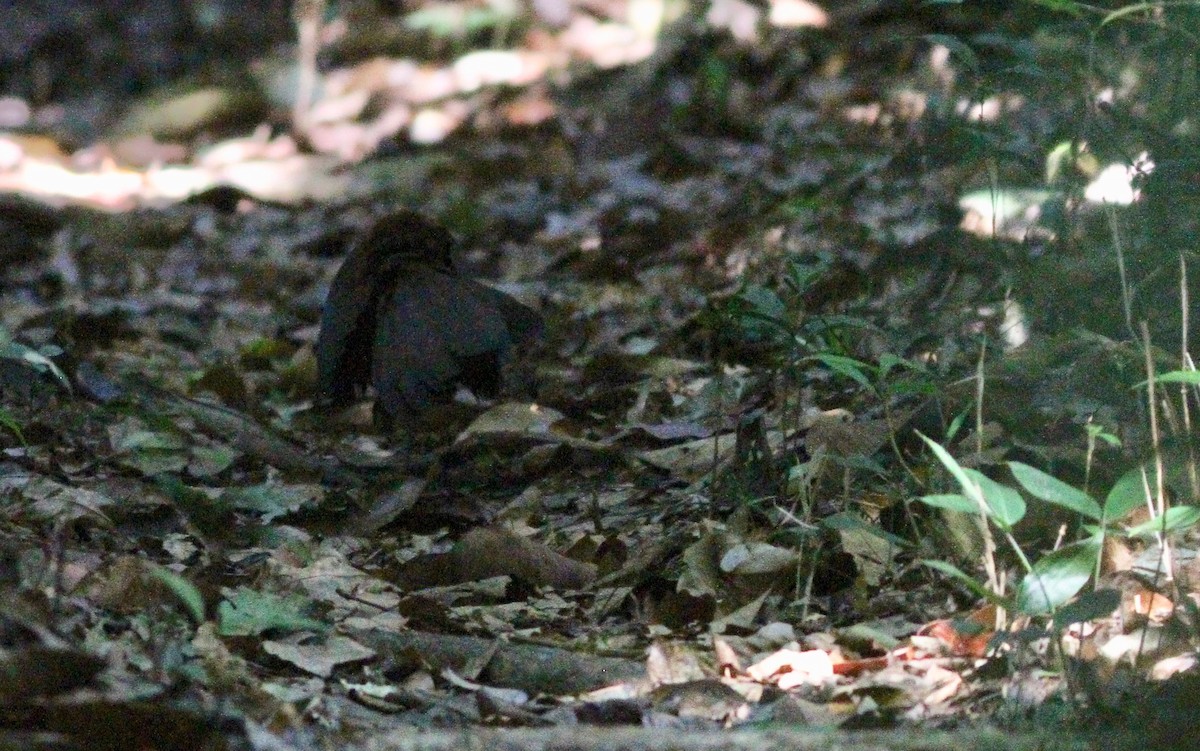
9	423
1054	579
457	22
38	359
774	323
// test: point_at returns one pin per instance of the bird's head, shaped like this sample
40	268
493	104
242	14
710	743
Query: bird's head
406	237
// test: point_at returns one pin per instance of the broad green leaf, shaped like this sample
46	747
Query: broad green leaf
913	387
1177	518
1191	377
450	20
1058	159
245	612
952	502
969	488
1090	605
209	461
1005	505
960	576
1057	577
765	302
1127	494
847	366
803	274
759	313
1049	488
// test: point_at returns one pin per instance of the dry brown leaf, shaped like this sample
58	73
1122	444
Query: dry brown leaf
319	655
485	553
789	668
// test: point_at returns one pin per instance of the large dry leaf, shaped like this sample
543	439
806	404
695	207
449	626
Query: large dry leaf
485	553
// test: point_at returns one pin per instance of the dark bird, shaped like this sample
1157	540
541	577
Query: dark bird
400	318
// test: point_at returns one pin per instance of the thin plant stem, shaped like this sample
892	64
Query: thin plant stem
1126	295
979	388
1159	493
1185	363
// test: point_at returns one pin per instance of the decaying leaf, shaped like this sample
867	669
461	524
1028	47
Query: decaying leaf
484	553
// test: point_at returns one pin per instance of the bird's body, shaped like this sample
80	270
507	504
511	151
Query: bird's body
400	318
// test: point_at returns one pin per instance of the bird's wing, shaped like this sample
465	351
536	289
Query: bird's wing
381	256
429	329
344	342
523	324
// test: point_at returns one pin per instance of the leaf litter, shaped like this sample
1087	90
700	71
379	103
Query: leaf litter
682	530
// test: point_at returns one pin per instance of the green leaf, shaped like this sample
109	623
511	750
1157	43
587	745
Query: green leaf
951	502
149	440
802	274
245	612
1005	505
1057	577
451	20
184	591
1175	519
969	487
1097	431
151	452
958	575
1053	490
272	500
1070	7
845	520
758	313
765	302
1133	9
910	386
38	360
1127	494
1190	377
847	366
889	362
1057	159
9	422
1090	605
209	461
956	425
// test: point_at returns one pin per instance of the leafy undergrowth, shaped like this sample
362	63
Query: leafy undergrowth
848	414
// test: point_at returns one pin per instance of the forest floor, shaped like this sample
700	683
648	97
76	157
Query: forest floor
847	427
